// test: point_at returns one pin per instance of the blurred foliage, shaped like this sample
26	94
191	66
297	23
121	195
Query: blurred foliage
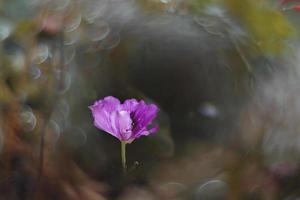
267	26
270	29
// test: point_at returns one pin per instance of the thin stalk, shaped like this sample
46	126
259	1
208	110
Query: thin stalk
123	155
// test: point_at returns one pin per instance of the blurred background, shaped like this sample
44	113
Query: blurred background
224	73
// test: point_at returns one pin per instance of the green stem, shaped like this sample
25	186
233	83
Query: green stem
123	155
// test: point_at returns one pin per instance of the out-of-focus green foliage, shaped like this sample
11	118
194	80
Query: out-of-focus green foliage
198	5
266	25
152	5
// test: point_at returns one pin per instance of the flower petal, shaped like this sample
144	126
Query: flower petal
143	116
121	124
148	132
130	105
102	110
111	103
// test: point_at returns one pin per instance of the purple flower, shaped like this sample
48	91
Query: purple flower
126	121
